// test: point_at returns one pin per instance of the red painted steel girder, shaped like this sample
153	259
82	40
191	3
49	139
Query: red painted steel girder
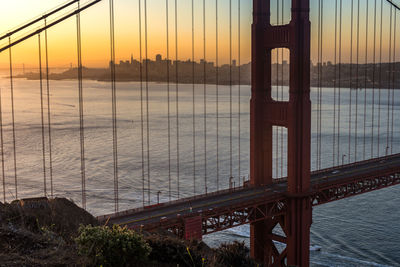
355	186
267	207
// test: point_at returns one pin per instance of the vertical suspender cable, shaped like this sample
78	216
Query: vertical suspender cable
230	90
193	106
81	122
339	77
141	100
393	79
147	102
373	86
13	121
365	77
42	118
380	80
389	87
320	86
169	101
319	93
205	95
351	75
49	113
217	91
277	98
2	151
114	105
239	92
281	129
357	81
334	91
319	63
177	96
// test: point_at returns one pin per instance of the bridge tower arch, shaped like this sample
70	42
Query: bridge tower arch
295	115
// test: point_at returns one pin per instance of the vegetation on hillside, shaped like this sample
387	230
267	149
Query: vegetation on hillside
56	232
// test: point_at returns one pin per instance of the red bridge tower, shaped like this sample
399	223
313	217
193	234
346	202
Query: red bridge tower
295	115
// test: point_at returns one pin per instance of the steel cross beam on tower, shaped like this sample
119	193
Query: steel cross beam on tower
295	115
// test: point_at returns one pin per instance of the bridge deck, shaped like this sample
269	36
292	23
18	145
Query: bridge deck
230	198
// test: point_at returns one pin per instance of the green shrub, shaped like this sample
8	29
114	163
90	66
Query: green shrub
174	251
234	254
117	246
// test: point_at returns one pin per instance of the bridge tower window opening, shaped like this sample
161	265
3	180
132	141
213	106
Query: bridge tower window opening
280	74
280	12
280	156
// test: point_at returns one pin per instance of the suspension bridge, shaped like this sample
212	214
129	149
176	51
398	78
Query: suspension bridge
320	125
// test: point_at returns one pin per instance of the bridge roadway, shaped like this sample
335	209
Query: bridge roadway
228	198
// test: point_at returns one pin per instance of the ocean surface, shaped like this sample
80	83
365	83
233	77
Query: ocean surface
359	231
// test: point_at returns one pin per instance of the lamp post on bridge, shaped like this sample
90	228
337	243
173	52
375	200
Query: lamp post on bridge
158	197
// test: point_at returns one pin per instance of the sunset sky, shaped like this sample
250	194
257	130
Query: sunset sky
95	30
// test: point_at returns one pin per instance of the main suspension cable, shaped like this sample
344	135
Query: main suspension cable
42	118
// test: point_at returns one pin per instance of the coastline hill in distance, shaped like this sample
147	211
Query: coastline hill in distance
385	75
